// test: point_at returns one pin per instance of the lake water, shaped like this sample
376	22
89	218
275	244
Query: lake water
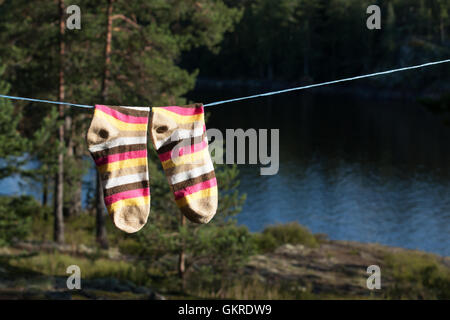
355	169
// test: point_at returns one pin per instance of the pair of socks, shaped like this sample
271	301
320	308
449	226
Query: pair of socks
117	141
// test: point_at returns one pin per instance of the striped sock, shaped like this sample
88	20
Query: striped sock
179	137
117	140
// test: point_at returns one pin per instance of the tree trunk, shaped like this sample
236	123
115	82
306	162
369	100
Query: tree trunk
69	202
106	72
101	228
45	187
58	235
75	205
182	257
45	191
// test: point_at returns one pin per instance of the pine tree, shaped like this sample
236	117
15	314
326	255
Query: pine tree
12	144
148	39
100	212
58	231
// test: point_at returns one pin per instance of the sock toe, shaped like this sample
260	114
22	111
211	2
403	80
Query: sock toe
201	210
131	219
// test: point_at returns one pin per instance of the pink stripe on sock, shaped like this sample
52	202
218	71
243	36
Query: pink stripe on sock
127	195
120	116
196	187
121	156
185	111
183	151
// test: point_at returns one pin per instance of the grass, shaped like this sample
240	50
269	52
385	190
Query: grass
250	288
55	264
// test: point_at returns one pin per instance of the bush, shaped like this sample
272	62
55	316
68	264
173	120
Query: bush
228	246
15	217
293	233
214	255
417	275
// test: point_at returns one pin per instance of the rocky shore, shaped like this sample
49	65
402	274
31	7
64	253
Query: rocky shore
338	268
334	269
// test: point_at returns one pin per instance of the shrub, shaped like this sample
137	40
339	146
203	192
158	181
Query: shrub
417	276
293	233
15	217
228	246
215	253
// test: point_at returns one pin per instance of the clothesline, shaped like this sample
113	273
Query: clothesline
328	83
256	95
46	101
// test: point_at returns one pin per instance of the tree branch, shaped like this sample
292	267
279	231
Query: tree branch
126	19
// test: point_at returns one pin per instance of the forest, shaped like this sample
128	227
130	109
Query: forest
154	53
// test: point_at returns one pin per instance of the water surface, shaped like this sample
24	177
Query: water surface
355	169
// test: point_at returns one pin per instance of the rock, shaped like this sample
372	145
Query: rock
336	267
114	253
289	249
85	250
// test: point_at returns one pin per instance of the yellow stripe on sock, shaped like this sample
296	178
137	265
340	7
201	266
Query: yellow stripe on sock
210	192
180	118
120	124
112	166
132	202
191	158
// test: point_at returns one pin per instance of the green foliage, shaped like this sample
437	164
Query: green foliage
318	40
231	201
148	40
417	276
224	248
293	233
15	218
214	255
12	144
